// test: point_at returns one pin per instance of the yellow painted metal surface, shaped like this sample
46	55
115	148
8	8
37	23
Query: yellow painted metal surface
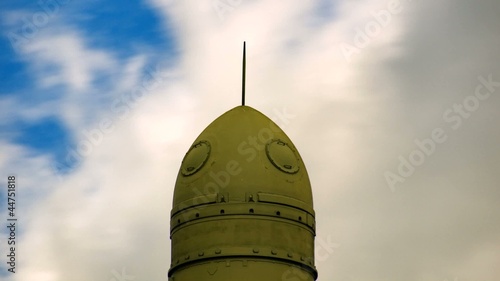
242	205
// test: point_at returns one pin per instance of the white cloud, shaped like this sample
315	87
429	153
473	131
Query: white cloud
352	120
63	59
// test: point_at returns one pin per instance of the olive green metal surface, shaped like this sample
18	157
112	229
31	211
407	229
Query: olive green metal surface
242	205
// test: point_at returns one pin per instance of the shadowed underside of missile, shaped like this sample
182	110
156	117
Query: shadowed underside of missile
242	206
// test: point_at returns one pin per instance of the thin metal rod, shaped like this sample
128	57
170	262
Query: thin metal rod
243	77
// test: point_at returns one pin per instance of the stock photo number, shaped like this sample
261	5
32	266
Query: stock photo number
11	223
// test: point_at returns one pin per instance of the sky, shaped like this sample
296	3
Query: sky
393	106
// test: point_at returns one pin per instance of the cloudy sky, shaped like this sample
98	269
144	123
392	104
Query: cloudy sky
393	105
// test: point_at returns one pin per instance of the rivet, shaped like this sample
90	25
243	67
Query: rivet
218	251
177	261
201	253
290	255
274	252
302	258
187	257
256	250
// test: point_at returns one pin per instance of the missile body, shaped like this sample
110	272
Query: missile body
242	207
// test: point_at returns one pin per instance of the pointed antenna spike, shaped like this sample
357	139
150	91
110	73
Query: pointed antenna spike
243	76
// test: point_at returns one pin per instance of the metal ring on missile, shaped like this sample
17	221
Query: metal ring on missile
282	156
195	158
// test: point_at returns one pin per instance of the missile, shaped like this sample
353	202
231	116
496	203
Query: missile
242	206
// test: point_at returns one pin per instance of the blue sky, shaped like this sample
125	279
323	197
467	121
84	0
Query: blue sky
392	105
121	27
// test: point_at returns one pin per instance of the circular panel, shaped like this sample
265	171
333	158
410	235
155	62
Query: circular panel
282	156
195	158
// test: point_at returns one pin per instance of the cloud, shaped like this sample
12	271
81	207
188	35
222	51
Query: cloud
64	60
352	119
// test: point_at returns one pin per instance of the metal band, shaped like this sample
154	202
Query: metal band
255	252
220	211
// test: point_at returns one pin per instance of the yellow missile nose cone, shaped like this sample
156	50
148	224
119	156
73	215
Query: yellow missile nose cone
242	204
242	151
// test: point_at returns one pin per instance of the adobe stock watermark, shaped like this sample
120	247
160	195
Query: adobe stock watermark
365	35
48	9
324	248
455	116
225	7
122	108
121	276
